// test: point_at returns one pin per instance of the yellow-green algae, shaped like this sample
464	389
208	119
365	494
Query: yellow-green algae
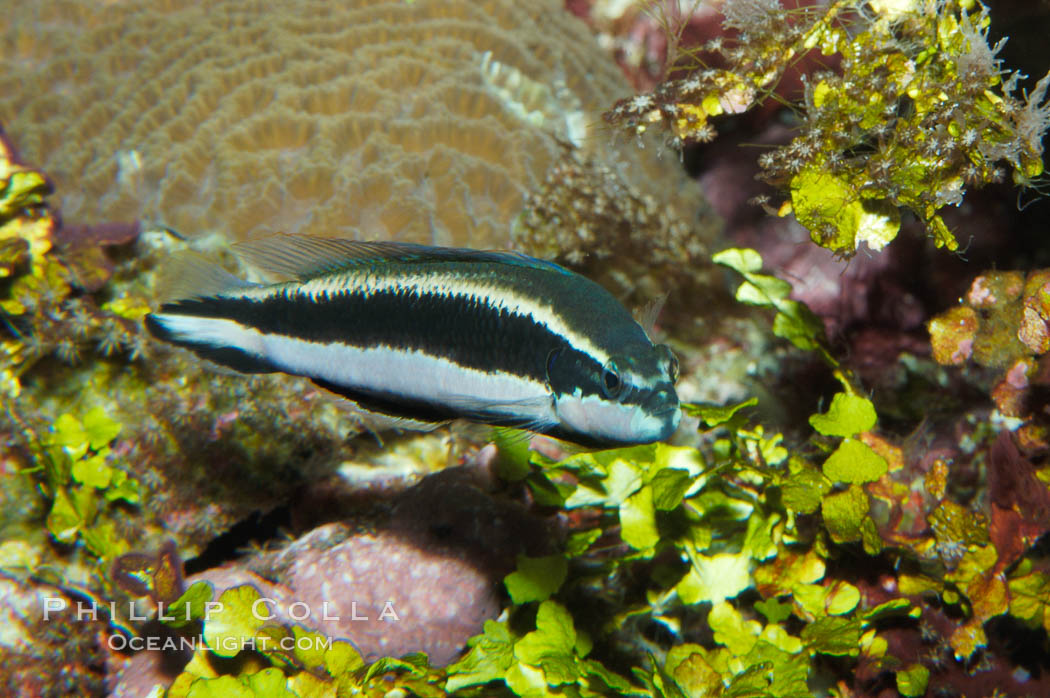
917	111
726	537
726	533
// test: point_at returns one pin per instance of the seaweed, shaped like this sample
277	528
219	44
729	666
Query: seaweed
908	110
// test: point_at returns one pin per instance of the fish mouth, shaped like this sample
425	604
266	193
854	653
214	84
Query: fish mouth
661	423
662	405
672	414
667	410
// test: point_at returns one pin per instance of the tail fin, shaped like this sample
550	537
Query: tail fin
210	338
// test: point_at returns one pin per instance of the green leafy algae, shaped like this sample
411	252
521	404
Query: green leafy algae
854	462
190	605
82	480
912	680
793	320
536	578
848	415
742	536
233	622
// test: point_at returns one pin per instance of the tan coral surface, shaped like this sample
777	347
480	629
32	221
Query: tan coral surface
429	120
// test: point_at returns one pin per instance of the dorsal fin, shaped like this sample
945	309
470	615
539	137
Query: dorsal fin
192	275
647	315
305	256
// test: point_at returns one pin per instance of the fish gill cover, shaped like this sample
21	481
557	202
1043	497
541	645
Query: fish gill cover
840	516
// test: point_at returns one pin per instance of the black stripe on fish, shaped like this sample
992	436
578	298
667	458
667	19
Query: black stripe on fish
529	286
463	330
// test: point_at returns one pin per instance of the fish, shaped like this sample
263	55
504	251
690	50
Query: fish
433	334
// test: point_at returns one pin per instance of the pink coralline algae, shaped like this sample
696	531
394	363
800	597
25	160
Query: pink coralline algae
424	579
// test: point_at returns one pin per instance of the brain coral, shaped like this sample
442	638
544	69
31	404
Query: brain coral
432	120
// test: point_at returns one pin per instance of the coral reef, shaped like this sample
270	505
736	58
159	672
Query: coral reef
860	510
748	566
428	121
56	656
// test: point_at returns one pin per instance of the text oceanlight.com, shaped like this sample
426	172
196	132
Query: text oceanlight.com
226	645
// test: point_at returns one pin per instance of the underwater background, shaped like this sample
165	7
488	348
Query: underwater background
833	212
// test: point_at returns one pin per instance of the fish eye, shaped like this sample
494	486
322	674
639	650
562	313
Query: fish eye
612	385
672	362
